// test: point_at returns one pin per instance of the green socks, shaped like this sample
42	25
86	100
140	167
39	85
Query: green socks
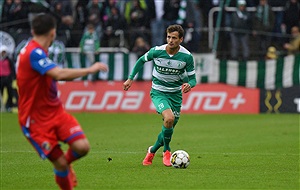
167	135
159	142
163	139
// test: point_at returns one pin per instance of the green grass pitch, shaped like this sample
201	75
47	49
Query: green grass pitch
227	152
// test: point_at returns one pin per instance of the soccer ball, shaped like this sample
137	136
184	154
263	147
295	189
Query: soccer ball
180	159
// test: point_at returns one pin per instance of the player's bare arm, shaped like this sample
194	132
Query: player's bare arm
127	84
70	74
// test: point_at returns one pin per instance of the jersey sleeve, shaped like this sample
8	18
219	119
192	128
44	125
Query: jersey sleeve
190	69
148	56
40	62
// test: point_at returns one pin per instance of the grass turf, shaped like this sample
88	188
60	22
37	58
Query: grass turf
227	152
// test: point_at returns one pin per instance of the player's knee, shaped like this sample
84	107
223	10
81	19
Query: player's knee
169	120
81	147
84	150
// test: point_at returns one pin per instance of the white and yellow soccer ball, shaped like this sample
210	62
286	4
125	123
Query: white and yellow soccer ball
180	159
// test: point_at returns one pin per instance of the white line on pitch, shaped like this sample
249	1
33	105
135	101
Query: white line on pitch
203	153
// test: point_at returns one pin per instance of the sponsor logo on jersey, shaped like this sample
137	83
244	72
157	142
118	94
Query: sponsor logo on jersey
46	145
164	70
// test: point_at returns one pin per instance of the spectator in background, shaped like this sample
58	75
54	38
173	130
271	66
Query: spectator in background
114	29
278	18
129	4
57	52
171	10
80	20
19	24
155	12
7	75
6	16
95	15
206	6
19	14
90	44
263	25
63	13
191	19
140	47
291	15
241	25
137	27
81	13
106	9
199	23
293	46
179	12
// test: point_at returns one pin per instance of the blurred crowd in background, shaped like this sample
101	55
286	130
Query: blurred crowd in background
139	24
240	29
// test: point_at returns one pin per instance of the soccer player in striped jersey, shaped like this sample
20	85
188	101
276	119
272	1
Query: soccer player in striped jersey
42	117
173	74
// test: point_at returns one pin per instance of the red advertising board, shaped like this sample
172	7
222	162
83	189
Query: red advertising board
103	96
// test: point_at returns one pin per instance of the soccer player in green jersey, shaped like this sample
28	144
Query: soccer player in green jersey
173	74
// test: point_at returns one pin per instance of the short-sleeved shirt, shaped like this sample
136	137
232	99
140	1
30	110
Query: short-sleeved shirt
38	100
41	115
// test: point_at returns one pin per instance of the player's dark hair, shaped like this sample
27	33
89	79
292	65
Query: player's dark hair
176	28
42	24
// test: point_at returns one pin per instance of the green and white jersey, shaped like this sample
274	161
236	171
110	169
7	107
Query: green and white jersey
57	53
170	71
